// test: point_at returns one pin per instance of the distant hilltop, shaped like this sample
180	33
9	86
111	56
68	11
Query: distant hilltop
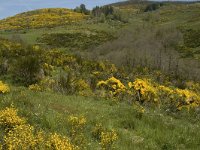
48	17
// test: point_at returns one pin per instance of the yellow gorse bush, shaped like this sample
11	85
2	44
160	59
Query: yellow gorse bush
166	91
20	137
77	123
47	83
144	89
4	88
77	126
113	85
193	86
107	139
35	87
82	87
57	142
97	130
149	91
9	118
187	98
23	136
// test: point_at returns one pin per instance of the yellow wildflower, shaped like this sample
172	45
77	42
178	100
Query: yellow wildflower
9	118
4	88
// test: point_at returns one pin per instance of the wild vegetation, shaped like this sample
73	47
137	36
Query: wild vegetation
41	18
101	82
77	40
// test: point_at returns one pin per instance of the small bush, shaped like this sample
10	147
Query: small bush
9	118
4	88
27	70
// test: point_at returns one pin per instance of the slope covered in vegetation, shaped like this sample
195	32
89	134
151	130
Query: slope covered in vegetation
165	39
64	121
115	81
41	18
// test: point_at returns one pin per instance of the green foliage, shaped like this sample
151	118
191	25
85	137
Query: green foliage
192	38
149	107
50	111
76	40
27	70
153	6
106	13
106	10
82	9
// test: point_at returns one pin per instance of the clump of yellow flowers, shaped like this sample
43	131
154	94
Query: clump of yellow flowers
20	135
77	126
35	87
187	98
113	85
58	142
4	88
143	89
96	132
10	119
82	87
107	139
77	122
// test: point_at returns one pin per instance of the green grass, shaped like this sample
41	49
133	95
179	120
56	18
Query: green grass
30	36
155	129
151	130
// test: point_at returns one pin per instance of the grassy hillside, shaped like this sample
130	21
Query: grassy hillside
61	96
50	17
150	130
127	78
158	39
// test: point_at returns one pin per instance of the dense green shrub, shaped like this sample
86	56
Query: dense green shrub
153	6
27	70
75	40
106	10
192	38
109	13
82	9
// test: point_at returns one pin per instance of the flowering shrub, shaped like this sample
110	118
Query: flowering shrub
10	119
82	87
57	142
180	97
47	84
187	98
114	86
47	68
77	125
4	88
143	89
107	139
165	91
23	136
77	122
20	137
193	86
96	132
35	87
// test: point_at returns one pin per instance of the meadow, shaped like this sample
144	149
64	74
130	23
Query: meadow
112	79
